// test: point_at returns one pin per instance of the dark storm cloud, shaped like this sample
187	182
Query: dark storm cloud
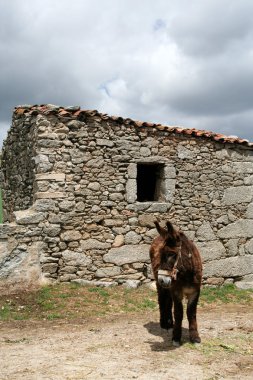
212	27
215	93
176	62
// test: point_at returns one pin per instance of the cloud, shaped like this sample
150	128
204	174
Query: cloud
212	27
177	62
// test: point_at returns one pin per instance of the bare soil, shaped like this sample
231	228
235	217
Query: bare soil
129	347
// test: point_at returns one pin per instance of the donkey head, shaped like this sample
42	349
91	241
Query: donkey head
170	252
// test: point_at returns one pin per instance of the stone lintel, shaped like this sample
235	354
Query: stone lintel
48	195
59	177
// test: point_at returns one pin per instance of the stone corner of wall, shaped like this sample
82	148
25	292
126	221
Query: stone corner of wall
28	216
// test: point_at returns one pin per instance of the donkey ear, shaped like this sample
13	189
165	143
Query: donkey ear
161	230
170	227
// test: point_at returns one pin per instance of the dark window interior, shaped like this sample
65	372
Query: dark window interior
148	182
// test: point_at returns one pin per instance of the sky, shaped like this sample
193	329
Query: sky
175	62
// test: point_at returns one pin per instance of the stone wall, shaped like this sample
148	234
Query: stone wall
84	213
18	166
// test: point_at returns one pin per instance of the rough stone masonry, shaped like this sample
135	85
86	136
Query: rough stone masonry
81	191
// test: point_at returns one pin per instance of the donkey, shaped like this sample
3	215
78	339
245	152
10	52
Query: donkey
177	268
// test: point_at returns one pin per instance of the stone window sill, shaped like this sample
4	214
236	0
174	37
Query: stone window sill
150	206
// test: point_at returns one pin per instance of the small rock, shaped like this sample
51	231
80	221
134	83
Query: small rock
132	284
118	241
132	238
244	284
71	235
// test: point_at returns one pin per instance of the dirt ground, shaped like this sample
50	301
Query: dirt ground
129	347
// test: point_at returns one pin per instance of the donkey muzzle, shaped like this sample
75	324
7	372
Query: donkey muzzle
164	278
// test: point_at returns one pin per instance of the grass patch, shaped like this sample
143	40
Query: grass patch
5	312
102	292
70	301
225	294
53	316
217	345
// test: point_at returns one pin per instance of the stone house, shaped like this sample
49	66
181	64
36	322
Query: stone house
81	191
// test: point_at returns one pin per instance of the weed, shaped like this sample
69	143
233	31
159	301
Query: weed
128	309
47	305
75	285
101	292
64	295
5	312
148	304
53	316
44	294
20	317
228	347
22	340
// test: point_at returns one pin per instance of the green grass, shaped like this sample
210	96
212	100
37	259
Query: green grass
225	294
238	344
102	292
70	301
53	316
5	312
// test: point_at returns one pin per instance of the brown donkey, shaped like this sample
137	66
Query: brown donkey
177	268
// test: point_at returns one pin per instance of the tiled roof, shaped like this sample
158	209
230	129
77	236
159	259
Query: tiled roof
77	113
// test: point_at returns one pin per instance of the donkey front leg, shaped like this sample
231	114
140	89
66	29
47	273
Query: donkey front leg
178	317
192	319
165	306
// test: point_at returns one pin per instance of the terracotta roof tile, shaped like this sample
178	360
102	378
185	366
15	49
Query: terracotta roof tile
76	112
64	113
138	123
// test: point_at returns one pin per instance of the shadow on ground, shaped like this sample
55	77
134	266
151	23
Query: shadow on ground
166	335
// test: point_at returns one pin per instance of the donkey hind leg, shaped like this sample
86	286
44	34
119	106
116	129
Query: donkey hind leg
192	319
178	317
165	306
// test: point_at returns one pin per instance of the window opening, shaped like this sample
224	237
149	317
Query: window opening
150	182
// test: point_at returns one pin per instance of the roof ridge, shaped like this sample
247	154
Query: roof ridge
77	112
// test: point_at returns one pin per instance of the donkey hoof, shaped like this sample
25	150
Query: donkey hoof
195	340
175	344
